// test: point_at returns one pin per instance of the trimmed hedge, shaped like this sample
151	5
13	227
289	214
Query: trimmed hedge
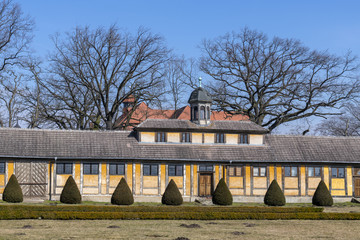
122	194
89	208
274	195
70	193
58	215
172	195
12	192
222	194
322	196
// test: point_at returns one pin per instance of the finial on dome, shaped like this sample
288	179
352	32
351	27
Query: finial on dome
200	81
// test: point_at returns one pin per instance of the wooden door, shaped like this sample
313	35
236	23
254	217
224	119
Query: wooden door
357	187
32	178
205	184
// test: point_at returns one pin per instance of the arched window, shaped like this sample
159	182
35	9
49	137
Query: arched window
208	113
196	116
202	113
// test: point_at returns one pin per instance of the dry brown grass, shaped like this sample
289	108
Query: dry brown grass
173	229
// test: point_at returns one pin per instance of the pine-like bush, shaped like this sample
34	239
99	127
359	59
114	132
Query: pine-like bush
274	196
172	195
222	194
70	193
322	196
122	194
12	192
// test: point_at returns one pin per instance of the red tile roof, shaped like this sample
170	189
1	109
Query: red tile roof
143	112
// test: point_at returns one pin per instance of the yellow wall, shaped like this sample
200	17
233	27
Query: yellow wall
129	175
138	173
326	175
163	178
232	138
147	137
77	173
10	169
195	177
303	180
103	177
188	178
279	176
209	138
349	181
271	173
196	138
247	180
256	139
173	137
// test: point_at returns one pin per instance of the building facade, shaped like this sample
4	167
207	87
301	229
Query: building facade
195	153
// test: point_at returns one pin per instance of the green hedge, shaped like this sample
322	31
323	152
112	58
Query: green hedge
211	209
61	215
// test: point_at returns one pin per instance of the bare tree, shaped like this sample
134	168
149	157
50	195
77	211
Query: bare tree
176	82
276	81
10	98
346	124
15	33
93	71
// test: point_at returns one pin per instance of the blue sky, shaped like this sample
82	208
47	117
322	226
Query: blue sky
322	25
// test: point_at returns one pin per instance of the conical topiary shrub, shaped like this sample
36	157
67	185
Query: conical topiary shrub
12	192
322	196
70	193
172	195
274	196
122	194
222	194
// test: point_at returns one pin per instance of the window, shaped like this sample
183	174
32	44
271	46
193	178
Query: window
196	114
220	138
117	169
64	168
185	137
176	170
208	113
91	168
160	137
314	171
235	171
356	171
2	167
150	169
205	168
202	113
338	172
259	171
291	171
243	138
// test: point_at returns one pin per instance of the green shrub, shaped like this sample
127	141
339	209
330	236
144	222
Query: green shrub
12	192
274	196
322	196
70	193
122	194
222	194
172	195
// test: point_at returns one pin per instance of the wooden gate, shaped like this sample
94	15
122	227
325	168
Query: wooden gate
205	184
357	187
32	178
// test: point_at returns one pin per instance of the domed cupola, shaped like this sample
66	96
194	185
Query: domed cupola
200	103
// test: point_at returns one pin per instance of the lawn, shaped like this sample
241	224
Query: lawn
178	229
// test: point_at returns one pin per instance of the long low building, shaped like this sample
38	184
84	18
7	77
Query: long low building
196	154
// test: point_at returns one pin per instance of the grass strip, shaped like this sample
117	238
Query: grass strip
66	215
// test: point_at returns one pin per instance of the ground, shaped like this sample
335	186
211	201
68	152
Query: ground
179	229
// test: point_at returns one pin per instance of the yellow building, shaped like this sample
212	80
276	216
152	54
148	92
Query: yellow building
196	154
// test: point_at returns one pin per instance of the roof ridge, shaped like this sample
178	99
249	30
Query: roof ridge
312	136
63	130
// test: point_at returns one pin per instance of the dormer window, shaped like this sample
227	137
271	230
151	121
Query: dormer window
196	114
185	137
160	137
220	138
208	113
243	139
